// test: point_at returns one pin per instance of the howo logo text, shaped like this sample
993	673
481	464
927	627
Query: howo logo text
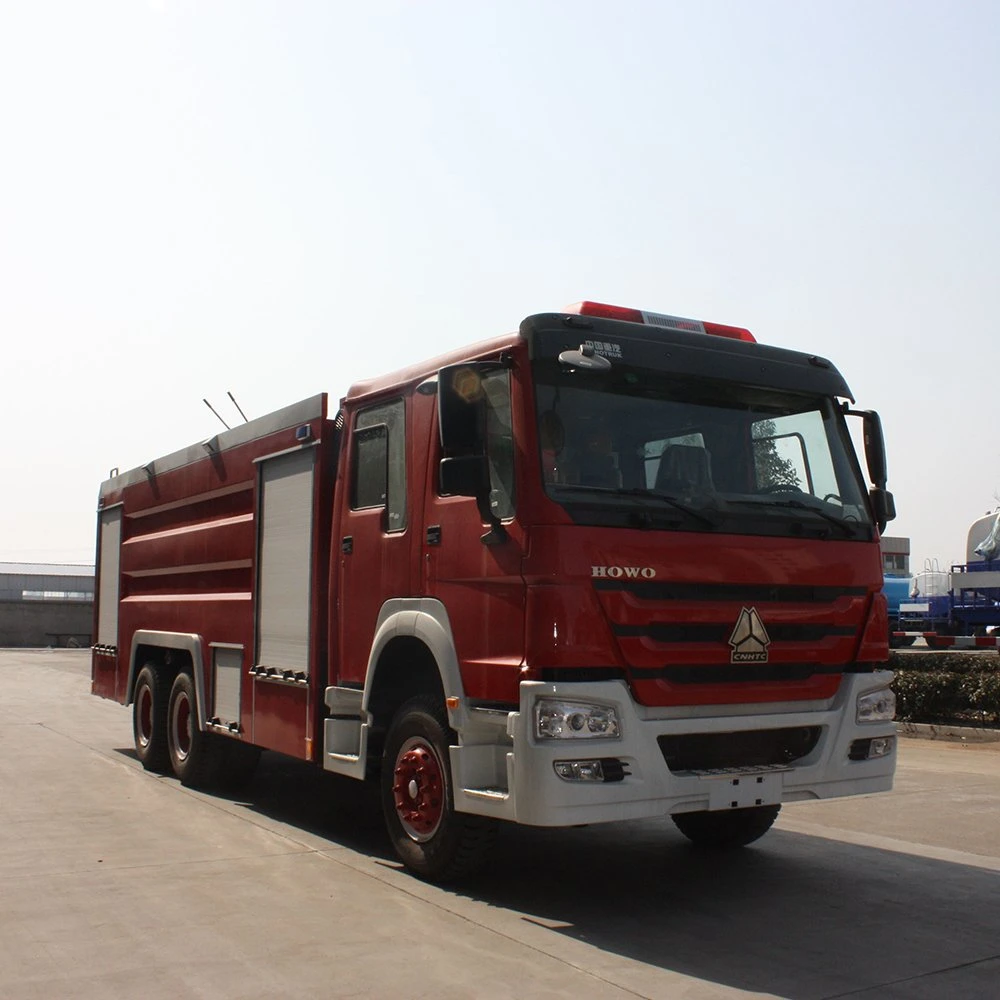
623	572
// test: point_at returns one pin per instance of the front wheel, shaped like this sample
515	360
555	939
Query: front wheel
726	830
430	838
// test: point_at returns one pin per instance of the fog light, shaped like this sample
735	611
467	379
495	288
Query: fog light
579	770
878	746
605	769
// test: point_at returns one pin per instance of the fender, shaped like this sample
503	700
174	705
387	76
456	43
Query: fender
189	642
426	619
346	733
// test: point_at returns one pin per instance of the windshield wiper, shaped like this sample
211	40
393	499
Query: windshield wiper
846	527
709	520
644	494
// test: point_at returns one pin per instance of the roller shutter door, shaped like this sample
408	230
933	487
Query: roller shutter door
110	566
285	561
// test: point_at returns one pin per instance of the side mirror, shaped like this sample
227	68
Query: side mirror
883	506
462	409
464	476
875	448
462	414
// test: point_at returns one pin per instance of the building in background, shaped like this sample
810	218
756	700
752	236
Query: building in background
46	604
895	556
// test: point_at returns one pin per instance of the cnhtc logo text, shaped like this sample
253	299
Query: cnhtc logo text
749	639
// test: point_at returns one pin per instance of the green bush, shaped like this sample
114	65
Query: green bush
982	692
947	688
928	696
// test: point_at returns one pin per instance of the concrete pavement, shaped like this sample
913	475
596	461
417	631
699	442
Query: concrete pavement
116	883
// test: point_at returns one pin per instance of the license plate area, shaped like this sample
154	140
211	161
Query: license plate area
744	789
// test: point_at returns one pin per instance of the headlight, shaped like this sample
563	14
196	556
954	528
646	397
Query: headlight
877	706
574	720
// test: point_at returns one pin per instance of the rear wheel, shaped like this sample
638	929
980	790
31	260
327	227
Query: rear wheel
725	830
430	838
195	756
149	719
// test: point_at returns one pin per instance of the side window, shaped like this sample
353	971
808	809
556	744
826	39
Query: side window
378	477
499	443
371	467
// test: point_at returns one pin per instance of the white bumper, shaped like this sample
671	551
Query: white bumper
518	781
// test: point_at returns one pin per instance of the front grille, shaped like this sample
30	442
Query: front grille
662	590
703	751
719	632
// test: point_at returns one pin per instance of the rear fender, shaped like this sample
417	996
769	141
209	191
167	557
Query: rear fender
187	642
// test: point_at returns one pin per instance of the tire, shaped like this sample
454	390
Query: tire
195	756
726	830
149	719
430	838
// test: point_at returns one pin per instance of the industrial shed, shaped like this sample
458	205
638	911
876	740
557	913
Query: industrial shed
895	556
46	604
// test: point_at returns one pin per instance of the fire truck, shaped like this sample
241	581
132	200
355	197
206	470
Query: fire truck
615	565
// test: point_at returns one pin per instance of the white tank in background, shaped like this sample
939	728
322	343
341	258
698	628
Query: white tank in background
932	581
984	539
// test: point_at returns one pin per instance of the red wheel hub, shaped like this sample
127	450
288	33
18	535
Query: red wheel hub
418	789
182	726
145	715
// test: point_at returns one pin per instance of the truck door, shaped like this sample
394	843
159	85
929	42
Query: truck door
375	529
476	572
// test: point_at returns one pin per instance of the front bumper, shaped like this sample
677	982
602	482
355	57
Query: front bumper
514	778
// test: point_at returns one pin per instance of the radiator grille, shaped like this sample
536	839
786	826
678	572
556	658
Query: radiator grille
705	751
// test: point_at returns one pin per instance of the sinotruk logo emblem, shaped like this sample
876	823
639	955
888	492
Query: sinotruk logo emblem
749	639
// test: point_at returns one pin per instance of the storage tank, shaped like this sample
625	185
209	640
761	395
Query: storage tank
984	539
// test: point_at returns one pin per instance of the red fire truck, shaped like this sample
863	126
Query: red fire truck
615	565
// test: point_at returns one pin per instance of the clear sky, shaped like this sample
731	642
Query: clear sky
281	198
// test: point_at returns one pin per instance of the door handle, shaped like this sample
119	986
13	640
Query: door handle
347	544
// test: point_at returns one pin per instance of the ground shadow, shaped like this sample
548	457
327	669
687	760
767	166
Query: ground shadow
342	810
797	916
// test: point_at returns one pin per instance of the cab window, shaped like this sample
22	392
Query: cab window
378	477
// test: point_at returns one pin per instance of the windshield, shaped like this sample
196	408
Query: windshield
696	454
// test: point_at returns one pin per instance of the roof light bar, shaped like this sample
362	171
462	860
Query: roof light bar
605	311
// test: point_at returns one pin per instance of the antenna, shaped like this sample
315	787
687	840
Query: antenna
212	408
237	405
